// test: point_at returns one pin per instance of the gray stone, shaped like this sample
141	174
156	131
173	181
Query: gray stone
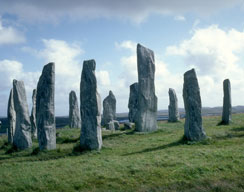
45	109
133	102
33	115
128	125
146	120
109	108
22	134
90	107
11	117
173	106
116	125
227	108
110	126
74	112
194	130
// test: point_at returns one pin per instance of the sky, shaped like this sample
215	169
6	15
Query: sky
205	35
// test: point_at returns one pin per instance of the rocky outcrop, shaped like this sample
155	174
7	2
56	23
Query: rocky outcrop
45	109
90	107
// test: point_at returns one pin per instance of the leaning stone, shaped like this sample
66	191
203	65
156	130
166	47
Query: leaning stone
147	100
110	126
90	107
133	102
109	108
227	108
128	125
11	117
74	113
173	106
33	115
22	134
192	100
45	112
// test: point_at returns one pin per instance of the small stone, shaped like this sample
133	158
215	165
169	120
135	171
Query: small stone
133	102
192	100
45	112
173	106
227	108
116	125
128	125
33	115
90	107
11	118
22	135
109	108
146	120
74	113
110	126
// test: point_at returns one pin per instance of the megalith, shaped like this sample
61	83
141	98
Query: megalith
109	109
45	109
74	112
133	102
22	134
173	106
193	128
146	120
33	115
90	108
11	117
227	108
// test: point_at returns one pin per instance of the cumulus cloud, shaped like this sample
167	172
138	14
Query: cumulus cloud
10	35
136	10
215	53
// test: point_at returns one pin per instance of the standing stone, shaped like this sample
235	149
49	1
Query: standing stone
74	113
22	134
33	115
90	107
146	120
133	102
45	112
109	109
193	106
110	126
11	117
227	108
173	106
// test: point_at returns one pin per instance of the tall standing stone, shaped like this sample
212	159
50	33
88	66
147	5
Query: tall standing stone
22	134
90	107
133	102
192	100
45	109
33	115
173	106
227	108
147	100
109	108
74	112
11	117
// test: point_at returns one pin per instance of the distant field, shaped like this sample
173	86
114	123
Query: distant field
129	161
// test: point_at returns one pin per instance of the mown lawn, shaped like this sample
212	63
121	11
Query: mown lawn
129	161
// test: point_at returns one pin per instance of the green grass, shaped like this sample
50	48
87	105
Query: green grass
129	161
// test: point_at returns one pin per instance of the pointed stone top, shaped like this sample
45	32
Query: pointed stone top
141	49
190	75
111	93
89	65
49	66
72	92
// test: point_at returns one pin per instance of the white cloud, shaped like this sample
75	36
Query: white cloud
9	35
179	18
135	10
215	53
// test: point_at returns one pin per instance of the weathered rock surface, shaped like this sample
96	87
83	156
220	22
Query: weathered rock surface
173	106
90	107
45	109
146	120
116	125
133	102
11	117
33	115
192	100
227	107
74	112
109	108
110	126
128	125
22	134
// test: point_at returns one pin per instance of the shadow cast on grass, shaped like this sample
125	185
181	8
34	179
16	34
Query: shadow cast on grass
131	132
238	129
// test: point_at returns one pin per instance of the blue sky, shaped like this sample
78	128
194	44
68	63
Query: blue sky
207	35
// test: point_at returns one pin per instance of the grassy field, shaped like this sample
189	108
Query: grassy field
129	161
